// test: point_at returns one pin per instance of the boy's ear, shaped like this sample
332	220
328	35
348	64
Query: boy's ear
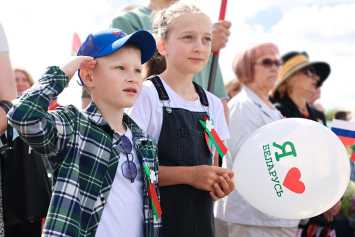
86	78
161	46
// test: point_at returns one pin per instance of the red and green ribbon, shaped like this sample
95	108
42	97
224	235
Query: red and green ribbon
208	140
152	193
212	135
352	157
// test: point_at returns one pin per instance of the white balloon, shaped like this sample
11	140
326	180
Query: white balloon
292	169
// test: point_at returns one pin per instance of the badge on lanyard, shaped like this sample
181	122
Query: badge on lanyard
212	137
150	174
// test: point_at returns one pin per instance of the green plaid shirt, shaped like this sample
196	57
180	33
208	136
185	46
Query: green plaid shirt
79	147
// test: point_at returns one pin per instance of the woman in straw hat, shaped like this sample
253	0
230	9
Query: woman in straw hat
298	79
257	68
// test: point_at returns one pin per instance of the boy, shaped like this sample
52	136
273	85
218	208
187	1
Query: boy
91	152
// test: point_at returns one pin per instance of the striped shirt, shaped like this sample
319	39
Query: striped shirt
81	150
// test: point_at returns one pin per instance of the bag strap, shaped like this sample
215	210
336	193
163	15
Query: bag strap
3	139
10	135
6	105
8	139
6	108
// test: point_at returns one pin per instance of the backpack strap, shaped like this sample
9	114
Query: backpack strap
6	105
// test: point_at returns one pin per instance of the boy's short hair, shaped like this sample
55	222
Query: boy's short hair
109	41
130	45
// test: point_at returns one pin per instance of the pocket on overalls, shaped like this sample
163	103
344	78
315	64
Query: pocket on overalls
192	147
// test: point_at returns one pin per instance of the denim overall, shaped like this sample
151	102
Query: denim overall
187	211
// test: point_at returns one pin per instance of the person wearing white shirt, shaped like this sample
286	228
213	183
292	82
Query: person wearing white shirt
257	68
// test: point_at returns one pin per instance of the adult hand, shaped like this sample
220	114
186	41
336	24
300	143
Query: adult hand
204	176
329	215
224	188
220	34
80	62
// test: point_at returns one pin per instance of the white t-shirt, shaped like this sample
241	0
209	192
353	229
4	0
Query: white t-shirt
147	112
4	47
123	212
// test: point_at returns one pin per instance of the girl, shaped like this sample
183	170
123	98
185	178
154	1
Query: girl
169	108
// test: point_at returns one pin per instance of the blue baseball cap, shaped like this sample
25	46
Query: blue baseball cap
109	41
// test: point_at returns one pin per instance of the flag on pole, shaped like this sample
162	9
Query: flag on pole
76	44
213	71
345	131
352	157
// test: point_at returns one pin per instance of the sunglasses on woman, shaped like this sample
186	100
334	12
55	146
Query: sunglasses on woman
129	168
268	62
310	72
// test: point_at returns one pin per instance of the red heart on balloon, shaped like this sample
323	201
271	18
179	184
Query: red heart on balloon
292	181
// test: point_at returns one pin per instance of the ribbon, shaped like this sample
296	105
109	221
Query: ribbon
208	140
152	193
212	134
352	157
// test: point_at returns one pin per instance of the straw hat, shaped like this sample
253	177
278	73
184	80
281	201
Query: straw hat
295	61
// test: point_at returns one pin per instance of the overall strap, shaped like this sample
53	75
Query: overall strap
202	94
163	95
158	84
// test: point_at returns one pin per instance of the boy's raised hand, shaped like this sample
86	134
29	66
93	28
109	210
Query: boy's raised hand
79	62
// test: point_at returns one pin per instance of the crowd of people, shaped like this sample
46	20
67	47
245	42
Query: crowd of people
137	159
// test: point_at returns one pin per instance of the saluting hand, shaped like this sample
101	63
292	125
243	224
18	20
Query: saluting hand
79	62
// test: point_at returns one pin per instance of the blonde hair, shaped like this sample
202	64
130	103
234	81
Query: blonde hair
26	73
162	25
233	85
285	87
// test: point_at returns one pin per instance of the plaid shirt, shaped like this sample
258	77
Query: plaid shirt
79	146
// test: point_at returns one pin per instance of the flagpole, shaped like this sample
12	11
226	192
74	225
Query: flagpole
215	57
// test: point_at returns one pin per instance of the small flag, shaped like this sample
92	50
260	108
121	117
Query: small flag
352	157
76	44
151	191
345	131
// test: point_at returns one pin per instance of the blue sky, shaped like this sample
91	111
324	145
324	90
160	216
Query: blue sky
40	34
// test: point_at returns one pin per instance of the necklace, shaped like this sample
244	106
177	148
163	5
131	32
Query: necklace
303	110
